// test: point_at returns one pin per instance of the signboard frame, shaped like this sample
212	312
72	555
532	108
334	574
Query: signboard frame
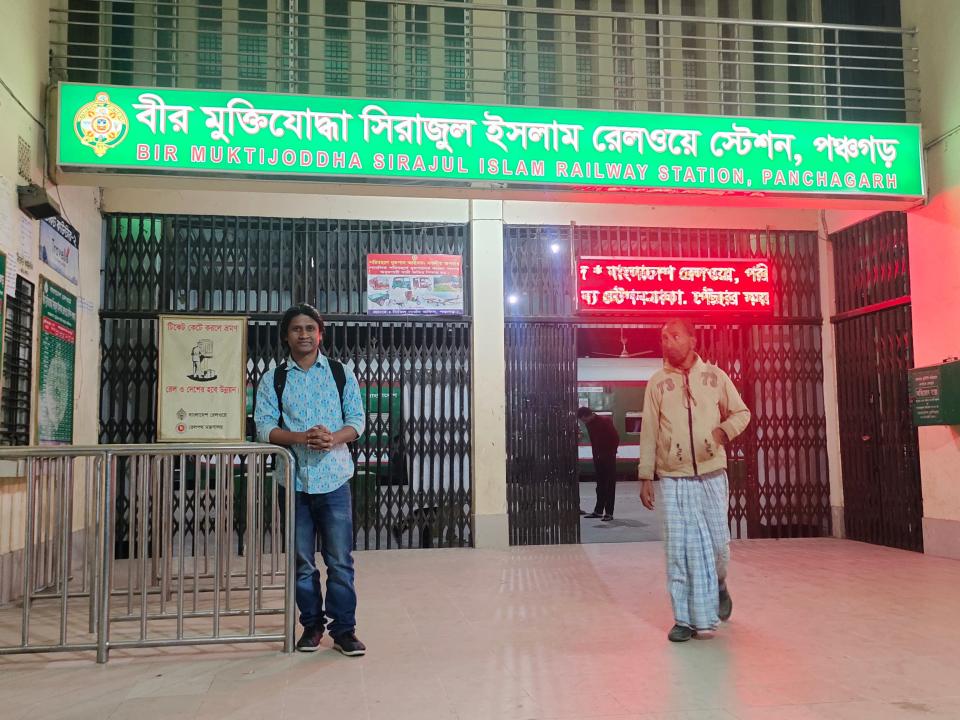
165	373
44	337
263	135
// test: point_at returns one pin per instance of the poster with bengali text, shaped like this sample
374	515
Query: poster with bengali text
414	284
202	379
56	369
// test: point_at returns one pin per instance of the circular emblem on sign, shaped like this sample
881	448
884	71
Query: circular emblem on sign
101	124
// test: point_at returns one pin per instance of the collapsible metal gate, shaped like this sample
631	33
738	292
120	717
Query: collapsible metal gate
543	499
878	442
412	487
778	469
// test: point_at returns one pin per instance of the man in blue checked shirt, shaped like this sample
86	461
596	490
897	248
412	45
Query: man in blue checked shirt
319	410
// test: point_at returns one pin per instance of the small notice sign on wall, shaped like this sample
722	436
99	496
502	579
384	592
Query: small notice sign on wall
935	394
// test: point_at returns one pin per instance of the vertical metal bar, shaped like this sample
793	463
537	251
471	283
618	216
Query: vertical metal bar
143	546
106	557
182	548
65	486
290	584
28	567
165	496
94	501
219	496
46	526
130	475
252	543
155	513
198	526
262	513
228	521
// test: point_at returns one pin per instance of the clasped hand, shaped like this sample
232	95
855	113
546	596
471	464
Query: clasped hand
319	438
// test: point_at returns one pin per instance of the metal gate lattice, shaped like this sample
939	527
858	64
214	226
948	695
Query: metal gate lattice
543	498
778	469
882	494
412	486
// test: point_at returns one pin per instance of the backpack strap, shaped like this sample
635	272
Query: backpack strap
340	378
279	383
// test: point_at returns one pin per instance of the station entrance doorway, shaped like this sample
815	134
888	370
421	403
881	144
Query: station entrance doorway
779	483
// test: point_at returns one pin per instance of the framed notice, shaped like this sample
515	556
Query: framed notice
202	383
55	373
674	286
414	285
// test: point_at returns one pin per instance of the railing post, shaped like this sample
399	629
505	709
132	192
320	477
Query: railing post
106	556
290	586
27	558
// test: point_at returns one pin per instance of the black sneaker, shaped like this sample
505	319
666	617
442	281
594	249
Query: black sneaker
310	640
349	645
593	516
607	518
726	605
681	633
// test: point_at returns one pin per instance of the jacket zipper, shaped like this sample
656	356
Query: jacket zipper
689	392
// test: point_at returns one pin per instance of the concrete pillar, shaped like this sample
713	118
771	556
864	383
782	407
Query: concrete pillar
828	307
488	365
934	239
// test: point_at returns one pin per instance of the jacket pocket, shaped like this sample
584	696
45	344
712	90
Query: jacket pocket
707	447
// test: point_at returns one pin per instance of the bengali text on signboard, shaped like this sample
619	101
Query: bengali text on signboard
182	131
674	285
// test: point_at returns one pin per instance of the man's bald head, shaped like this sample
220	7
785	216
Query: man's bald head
678	339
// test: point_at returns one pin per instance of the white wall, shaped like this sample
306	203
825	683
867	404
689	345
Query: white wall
24	38
934	233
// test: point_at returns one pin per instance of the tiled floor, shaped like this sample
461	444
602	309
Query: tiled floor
822	630
632	522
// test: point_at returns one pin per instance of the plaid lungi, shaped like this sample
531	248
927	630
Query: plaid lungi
697	538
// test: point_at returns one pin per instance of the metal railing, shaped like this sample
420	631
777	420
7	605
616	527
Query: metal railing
512	53
183	578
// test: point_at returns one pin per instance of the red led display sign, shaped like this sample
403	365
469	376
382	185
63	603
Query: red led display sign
668	286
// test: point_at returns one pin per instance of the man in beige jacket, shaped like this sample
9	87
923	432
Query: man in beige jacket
691	410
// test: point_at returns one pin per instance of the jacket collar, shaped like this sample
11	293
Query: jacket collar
697	364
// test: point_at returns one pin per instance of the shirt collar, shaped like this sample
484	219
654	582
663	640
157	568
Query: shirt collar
321	362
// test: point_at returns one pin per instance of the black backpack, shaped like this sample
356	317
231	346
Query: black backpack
280	382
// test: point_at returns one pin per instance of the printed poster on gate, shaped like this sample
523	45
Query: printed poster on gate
202	383
414	284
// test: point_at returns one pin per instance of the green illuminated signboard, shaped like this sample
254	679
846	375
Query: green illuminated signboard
162	130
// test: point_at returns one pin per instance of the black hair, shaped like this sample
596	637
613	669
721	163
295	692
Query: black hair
584	413
301	309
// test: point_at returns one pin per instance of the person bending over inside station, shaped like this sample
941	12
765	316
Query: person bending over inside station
604	441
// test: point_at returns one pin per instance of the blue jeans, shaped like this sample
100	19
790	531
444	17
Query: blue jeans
329	516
